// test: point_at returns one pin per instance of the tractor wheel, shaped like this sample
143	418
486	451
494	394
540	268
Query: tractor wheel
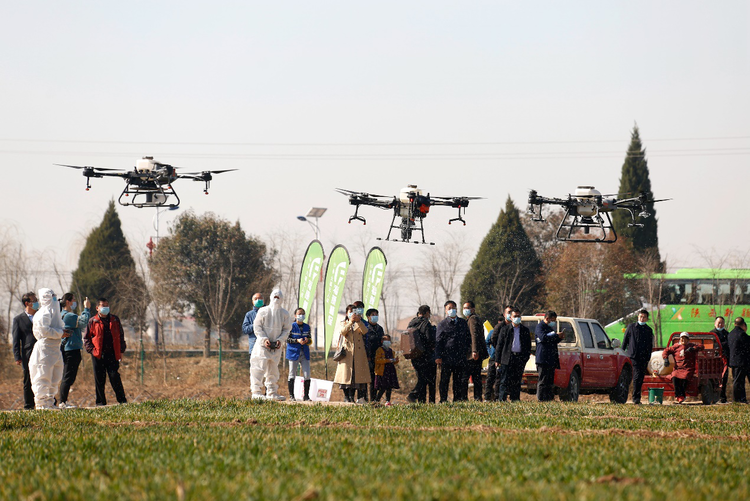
570	394
619	394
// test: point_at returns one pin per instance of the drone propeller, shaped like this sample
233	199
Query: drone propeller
359	193
202	173
89	167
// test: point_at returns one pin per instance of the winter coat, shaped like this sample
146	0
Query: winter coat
373	340
23	337
684	359
546	346
74	323
382	357
638	343
478	341
94	338
426	332
723	336
353	337
739	348
452	341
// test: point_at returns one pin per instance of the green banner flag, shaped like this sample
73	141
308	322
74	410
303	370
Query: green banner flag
333	290
309	276
372	277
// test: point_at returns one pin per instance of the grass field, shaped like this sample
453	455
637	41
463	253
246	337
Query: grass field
236	449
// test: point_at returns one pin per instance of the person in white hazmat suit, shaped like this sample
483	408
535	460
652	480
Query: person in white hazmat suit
46	362
272	326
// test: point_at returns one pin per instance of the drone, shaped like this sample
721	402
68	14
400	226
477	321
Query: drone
588	209
411	205
149	184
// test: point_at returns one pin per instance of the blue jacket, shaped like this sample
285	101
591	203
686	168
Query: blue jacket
74	323
546	345
490	346
293	348
373	340
247	325
453	341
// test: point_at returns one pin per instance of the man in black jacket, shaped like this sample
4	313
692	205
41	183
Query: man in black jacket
452	347
739	358
23	344
547	357
493	370
723	336
638	344
477	353
424	365
512	352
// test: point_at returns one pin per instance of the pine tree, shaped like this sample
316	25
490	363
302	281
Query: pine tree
105	263
633	181
505	270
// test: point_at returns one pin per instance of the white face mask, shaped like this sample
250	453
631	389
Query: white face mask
517	320
300	318
452	313
467	312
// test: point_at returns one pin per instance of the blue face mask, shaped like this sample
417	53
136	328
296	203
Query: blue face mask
258	303
73	305
452	313
508	317
386	344
517	320
300	318
552	323
467	312
641	323
374	319
359	311
35	305
104	310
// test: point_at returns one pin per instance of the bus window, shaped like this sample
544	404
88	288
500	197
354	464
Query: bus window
602	341
586	334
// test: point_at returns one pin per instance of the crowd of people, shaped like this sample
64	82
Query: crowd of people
48	338
47	342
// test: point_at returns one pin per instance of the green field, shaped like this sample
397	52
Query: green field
235	449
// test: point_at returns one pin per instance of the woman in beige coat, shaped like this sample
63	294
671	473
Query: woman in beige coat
353	372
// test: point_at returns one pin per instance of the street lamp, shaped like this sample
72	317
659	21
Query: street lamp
315	213
155	220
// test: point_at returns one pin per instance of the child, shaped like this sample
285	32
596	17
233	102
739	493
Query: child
385	371
684	364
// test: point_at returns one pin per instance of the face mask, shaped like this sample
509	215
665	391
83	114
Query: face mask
641	323
104	310
359	311
508	317
35	305
552	324
467	312
73	305
452	313
258	303
300	318
720	328
386	344
517	320
374	319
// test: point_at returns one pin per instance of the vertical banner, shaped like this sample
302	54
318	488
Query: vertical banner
372	278
333	290
309	276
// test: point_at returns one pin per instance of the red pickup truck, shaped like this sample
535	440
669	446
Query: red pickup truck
589	361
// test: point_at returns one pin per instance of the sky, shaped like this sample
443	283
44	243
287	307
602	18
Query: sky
485	99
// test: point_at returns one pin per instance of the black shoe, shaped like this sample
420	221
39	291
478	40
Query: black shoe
410	398
636	402
307	391
723	400
290	384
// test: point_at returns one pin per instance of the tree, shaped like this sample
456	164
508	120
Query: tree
106	267
634	179
209	267
588	280
506	269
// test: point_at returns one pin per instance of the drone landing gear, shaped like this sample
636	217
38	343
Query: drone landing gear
149	196
357	217
407	227
460	216
600	222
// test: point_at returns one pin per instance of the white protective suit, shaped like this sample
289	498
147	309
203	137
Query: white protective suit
273	323
46	362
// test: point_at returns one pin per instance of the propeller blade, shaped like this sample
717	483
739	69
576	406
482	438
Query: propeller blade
88	167
205	172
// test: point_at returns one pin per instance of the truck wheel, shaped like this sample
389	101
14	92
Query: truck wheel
619	394
708	394
570	394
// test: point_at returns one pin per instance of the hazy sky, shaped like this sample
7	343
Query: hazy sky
462	98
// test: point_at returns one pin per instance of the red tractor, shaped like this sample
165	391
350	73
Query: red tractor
705	383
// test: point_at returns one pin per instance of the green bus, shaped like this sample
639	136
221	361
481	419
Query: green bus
690	300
